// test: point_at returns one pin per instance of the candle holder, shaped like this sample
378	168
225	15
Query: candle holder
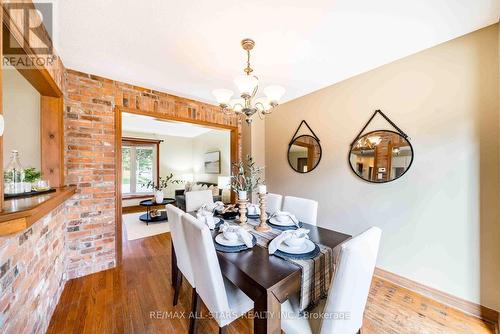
243	212
263	227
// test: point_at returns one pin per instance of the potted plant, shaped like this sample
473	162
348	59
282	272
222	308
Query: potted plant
246	177
31	175
162	185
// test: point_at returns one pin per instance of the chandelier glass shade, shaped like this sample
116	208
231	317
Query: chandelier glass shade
247	104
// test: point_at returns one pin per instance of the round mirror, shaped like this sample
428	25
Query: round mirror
381	156
304	153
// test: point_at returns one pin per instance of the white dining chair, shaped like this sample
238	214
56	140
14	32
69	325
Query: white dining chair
273	202
223	299
342	312
306	210
195	199
183	262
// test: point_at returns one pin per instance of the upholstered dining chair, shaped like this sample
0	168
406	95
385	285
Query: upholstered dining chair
342	312
195	199
224	300
273	202
306	210
183	267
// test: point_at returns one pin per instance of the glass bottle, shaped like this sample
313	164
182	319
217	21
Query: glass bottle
14	175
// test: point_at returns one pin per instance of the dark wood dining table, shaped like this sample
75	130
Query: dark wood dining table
267	279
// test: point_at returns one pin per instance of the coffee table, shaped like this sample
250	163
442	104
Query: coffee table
150	203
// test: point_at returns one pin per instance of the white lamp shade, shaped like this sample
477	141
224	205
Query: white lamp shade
237	104
223	182
262	104
274	93
2	125
223	96
246	84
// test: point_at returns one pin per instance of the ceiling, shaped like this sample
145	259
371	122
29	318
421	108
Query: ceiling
150	125
191	47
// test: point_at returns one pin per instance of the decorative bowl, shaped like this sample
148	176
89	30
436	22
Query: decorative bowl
296	240
282	217
230	235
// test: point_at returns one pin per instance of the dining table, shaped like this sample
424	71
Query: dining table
267	279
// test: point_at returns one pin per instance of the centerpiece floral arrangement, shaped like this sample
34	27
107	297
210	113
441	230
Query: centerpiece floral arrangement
164	182
246	177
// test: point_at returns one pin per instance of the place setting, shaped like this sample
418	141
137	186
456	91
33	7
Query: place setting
284	221
253	211
233	239
205	214
294	244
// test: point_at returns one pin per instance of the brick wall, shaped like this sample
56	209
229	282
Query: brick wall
90	103
32	267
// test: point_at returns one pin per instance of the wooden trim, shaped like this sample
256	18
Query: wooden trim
133	209
163	117
12	221
118	185
38	77
133	196
51	112
52	140
139	141
471	308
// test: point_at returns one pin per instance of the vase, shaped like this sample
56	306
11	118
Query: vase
159	196
242	195
14	175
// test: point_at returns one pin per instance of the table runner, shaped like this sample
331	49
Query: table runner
316	272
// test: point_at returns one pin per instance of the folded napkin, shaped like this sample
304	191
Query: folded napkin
213	206
206	217
242	233
276	242
292	216
253	209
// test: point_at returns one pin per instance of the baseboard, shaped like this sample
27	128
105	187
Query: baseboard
474	309
133	209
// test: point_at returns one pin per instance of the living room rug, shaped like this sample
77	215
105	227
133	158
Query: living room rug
135	229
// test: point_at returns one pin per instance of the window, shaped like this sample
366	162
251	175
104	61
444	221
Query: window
139	165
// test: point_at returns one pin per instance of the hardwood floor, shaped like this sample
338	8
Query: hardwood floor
136	298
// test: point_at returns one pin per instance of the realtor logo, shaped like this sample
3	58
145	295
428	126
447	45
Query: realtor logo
29	42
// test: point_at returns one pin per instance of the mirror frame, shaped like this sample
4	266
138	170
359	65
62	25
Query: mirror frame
320	154
366	134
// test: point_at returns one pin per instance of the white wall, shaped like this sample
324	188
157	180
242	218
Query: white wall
215	140
440	220
21	108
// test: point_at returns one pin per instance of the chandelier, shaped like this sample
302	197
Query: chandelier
248	85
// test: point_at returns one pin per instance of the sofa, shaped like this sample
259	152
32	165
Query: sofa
181	199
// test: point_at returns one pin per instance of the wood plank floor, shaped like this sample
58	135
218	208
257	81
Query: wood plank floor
137	296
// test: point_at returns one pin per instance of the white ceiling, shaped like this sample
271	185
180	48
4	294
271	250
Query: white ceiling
150	125
191	47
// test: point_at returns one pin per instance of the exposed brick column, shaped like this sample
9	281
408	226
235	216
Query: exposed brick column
90	158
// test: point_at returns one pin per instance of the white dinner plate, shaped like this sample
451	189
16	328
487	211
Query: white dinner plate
231	243
306	247
286	223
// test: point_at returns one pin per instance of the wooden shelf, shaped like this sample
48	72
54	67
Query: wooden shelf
20	213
